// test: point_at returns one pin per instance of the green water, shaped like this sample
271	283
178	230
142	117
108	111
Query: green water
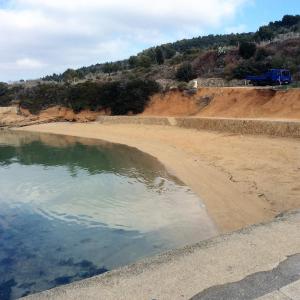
73	208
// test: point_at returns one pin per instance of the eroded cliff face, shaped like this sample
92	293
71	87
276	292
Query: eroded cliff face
14	116
228	102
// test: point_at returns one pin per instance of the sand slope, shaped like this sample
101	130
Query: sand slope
228	102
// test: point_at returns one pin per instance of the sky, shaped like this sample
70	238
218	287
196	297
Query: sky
40	37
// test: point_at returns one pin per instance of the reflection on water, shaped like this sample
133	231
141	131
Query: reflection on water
73	208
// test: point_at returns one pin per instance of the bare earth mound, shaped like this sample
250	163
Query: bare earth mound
12	116
228	102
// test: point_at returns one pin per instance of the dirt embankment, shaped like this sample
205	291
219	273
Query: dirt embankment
228	102
13	116
207	102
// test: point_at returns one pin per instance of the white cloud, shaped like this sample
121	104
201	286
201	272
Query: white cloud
236	29
72	33
29	63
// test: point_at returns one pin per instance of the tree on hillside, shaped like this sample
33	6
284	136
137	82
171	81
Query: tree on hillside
111	67
69	75
160	59
261	54
169	52
133	62
247	50
6	94
289	20
185	72
265	33
144	61
3	88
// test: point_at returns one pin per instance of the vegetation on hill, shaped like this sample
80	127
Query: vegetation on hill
117	97
189	50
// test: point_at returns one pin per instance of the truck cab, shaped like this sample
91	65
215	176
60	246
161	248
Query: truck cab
272	77
285	77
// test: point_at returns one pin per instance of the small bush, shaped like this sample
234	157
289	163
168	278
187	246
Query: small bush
159	55
182	86
3	88
247	50
43	96
144	61
249	67
185	72
5	96
265	33
261	54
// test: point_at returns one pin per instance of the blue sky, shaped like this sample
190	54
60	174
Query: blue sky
39	37
261	12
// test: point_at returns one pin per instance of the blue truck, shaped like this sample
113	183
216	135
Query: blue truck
272	77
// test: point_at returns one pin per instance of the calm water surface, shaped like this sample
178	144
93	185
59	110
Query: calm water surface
73	208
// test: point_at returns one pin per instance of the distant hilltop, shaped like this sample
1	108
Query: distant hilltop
209	56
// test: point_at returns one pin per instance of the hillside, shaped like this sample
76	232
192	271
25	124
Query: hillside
212	55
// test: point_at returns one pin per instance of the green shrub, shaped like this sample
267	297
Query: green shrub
5	96
133	62
168	51
249	67
185	72
247	50
277	62
133	97
265	33
290	20
69	75
262	54
83	96
43	96
182	86
3	88
144	61
160	58
176	60
120	97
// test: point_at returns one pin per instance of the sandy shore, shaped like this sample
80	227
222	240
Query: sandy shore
242	180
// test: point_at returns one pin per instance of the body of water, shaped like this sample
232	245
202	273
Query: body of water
73	208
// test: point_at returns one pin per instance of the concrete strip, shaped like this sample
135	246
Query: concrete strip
135	120
282	128
292	290
181	274
256	284
244	126
274	296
